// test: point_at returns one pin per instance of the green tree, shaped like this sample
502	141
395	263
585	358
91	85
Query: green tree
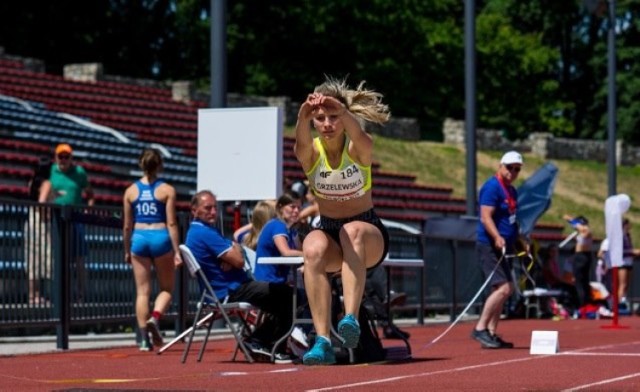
129	37
533	41
541	63
410	50
627	76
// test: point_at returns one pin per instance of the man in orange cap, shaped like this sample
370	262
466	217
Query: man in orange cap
68	181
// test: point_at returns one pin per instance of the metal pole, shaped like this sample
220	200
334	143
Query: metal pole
454	278
470	102
611	98
218	54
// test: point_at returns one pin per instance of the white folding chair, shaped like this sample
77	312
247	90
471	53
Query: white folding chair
533	297
210	303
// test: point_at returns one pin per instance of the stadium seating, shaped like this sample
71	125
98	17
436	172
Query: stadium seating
31	104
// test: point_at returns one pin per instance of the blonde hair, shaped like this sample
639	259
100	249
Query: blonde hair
263	212
365	104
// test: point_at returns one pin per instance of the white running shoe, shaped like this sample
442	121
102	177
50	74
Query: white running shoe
300	337
604	312
156	337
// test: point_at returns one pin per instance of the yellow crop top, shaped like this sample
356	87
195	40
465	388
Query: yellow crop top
348	181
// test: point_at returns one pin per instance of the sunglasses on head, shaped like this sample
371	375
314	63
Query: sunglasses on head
513	168
64	156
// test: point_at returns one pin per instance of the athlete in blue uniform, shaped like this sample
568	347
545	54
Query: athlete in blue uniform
150	236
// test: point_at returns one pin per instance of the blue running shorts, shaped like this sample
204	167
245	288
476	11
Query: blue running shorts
150	243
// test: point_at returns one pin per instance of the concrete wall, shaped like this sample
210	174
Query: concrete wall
544	145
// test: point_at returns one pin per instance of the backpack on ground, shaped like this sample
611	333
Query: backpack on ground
369	347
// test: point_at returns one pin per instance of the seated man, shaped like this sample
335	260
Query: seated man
222	262
557	278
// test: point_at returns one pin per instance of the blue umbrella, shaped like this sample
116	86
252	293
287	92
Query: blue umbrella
534	197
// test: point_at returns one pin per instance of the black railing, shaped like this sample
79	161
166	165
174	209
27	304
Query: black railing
73	257
70	261
62	266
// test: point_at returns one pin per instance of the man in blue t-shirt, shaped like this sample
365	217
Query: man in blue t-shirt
222	262
497	234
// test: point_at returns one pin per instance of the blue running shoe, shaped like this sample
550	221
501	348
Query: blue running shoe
349	331
320	354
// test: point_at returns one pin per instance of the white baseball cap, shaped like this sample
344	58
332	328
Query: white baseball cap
511	157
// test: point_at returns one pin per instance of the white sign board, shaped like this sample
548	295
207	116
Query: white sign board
544	342
240	153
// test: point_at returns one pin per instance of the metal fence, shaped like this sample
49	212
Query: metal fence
62	267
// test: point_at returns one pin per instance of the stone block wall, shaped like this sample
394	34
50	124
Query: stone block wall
30	64
486	139
544	145
93	72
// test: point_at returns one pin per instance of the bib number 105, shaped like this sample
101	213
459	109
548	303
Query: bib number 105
147	208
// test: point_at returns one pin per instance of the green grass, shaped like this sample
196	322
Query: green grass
581	186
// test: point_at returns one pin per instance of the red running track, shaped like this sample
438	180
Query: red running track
590	358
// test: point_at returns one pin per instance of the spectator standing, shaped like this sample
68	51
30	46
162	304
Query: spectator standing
37	238
497	234
625	271
583	258
222	262
150	235
351	237
68	182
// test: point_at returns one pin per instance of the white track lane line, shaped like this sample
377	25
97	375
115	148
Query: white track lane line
473	367
603	382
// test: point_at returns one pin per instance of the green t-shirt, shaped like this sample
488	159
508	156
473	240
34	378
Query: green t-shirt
67	186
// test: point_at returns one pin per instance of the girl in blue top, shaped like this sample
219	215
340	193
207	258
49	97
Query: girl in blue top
277	239
150	235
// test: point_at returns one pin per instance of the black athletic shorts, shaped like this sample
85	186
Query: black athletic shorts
488	256
332	228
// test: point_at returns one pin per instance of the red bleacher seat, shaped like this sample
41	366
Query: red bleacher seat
26	146
8	63
16	191
152	115
15	173
71	105
24	159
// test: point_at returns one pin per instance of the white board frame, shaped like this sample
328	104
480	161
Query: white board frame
240	153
